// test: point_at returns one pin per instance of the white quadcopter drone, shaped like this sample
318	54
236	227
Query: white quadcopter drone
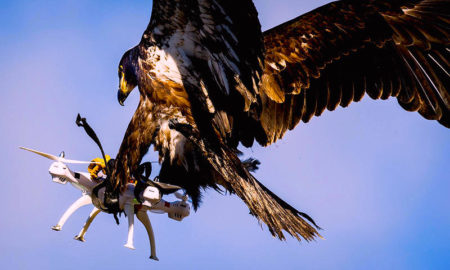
150	197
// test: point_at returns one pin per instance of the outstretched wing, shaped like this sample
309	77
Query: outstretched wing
239	92
335	54
328	57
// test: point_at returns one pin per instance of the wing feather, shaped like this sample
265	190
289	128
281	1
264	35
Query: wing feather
243	85
335	54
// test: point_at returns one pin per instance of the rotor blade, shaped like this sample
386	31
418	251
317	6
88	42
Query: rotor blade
56	158
49	156
71	161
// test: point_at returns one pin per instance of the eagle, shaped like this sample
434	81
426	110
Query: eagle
210	80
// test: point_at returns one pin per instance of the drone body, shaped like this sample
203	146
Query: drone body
151	201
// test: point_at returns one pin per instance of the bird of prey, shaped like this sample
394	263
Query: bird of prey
210	79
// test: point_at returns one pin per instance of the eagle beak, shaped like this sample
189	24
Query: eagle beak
125	89
121	96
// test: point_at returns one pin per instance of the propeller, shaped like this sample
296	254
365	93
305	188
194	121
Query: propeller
60	158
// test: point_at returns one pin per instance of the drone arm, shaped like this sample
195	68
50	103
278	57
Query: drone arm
82	201
143	217
92	215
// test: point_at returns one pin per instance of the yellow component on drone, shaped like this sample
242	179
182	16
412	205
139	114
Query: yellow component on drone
98	165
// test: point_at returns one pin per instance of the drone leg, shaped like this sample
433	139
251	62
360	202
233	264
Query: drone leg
84	200
143	217
129	210
92	215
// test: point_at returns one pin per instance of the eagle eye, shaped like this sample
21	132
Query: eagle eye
120	70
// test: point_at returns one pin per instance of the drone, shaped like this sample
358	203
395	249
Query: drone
149	199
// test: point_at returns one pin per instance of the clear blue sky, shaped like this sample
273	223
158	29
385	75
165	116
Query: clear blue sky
375	177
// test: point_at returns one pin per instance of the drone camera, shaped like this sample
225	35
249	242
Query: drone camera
58	172
59	180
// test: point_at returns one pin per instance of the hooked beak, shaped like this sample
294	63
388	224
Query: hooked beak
121	96
124	90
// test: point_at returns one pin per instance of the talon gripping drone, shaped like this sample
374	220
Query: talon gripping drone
149	199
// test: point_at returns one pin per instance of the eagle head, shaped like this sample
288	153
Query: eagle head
127	75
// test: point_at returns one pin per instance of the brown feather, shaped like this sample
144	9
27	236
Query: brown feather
363	47
210	79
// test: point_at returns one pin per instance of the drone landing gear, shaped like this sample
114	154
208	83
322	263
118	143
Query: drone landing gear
143	217
84	200
129	211
92	215
79	238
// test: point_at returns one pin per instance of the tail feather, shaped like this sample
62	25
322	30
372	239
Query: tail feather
288	206
278	215
267	207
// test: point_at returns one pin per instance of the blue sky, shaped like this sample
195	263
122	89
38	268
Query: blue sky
375	177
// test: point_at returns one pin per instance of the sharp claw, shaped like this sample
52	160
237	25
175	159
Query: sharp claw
56	228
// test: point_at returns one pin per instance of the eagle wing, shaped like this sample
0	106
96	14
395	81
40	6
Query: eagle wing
243	85
249	85
335	54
